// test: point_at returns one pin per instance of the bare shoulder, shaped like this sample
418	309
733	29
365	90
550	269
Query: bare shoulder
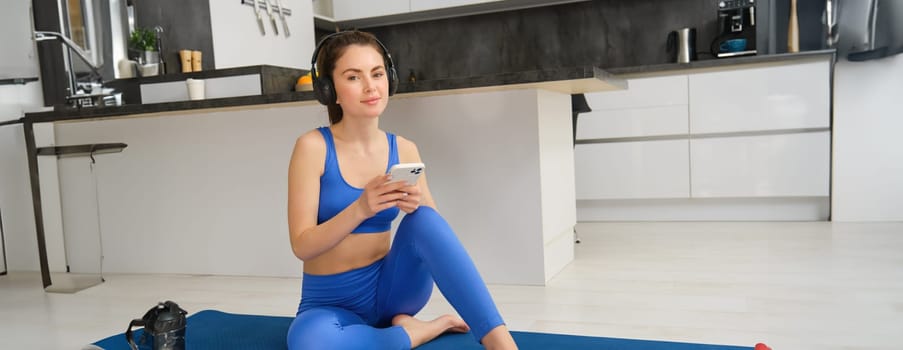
310	149
407	150
311	140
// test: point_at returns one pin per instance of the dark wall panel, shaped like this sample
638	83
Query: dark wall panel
186	25
811	28
54	79
604	33
611	33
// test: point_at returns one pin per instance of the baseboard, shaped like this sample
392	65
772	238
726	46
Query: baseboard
707	209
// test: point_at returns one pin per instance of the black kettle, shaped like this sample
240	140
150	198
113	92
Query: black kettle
164	328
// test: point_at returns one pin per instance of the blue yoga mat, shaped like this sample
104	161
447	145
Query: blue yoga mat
215	330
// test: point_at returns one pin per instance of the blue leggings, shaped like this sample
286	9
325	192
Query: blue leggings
354	309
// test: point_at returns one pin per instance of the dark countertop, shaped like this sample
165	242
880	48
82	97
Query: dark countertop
567	80
682	68
570	80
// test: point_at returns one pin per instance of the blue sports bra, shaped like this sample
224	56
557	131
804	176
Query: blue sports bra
336	194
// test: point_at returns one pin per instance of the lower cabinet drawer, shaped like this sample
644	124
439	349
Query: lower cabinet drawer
787	165
632	170
633	122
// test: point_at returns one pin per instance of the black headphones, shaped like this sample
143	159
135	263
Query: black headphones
324	88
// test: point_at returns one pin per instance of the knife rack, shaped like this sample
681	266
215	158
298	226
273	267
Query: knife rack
262	6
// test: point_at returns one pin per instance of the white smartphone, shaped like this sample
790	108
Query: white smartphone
408	172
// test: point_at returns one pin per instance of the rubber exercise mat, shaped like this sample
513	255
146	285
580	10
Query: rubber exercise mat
215	330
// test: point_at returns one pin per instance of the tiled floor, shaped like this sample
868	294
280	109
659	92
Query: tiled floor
794	286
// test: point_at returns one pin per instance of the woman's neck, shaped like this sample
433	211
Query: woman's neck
357	131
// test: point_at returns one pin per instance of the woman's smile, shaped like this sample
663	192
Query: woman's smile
372	101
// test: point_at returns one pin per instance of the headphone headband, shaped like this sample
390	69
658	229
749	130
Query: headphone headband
324	89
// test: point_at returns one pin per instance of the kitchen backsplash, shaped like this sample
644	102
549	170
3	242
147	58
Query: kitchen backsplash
186	25
603	33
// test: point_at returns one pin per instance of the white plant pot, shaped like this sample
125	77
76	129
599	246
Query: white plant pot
151	57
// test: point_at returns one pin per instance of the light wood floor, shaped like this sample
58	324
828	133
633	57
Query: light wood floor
794	286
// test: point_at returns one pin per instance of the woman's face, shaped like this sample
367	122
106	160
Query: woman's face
361	84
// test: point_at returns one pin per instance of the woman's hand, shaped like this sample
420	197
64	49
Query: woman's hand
379	195
411	200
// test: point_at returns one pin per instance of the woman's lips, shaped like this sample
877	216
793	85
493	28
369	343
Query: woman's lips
372	101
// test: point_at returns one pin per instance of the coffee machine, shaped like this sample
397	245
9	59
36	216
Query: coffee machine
736	29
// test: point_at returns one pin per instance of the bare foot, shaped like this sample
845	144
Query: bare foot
421	332
499	338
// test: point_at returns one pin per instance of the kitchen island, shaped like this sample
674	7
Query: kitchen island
201	187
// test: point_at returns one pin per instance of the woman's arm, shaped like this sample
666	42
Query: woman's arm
308	239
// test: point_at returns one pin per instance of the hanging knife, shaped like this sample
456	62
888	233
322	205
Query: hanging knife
282	17
272	19
259	19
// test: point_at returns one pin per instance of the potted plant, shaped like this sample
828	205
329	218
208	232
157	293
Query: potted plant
144	42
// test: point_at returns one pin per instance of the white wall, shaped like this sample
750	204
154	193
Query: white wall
868	151
237	40
15	201
18	59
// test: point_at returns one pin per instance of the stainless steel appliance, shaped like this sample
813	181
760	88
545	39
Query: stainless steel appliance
866	29
737	29
682	45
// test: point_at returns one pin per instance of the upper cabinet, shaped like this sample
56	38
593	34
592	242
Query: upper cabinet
423	5
17	59
344	10
363	13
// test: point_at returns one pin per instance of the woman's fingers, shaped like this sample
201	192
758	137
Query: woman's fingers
391	187
379	195
409	202
392	197
413	189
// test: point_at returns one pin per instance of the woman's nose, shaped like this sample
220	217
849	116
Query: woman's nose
369	84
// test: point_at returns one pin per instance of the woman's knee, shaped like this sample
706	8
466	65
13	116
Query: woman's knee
318	328
423	219
426	230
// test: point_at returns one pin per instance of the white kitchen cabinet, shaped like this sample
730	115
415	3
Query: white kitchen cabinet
792	96
344	10
424	5
17	59
748	142
642	93
632	170
633	122
649	107
782	165
361	13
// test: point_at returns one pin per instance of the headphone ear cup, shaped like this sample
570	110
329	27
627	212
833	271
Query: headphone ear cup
324	91
393	80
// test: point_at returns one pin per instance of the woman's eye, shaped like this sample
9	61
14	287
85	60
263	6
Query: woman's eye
379	74
352	77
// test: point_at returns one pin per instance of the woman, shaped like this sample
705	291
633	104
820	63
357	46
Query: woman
359	292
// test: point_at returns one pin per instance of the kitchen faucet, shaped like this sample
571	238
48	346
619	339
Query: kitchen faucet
90	98
158	32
